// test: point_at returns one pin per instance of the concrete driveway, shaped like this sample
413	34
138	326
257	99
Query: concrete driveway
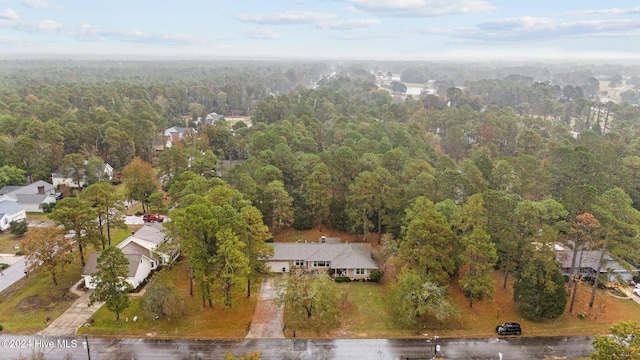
268	320
76	315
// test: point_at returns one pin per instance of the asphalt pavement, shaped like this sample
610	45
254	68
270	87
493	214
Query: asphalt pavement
14	272
505	348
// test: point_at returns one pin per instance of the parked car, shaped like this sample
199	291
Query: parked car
636	292
152	218
509	328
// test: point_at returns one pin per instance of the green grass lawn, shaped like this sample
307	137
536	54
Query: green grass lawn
25	306
37	216
8	243
365	314
198	323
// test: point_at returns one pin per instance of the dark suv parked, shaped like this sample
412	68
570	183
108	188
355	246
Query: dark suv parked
509	329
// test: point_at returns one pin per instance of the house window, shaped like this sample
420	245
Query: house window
321	263
299	263
360	271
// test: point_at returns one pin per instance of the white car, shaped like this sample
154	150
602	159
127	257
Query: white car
636	292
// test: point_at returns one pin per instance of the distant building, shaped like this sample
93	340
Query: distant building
58	178
174	134
31	196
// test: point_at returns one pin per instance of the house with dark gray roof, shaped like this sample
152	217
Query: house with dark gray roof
31	196
10	211
146	249
345	259
587	264
138	269
174	134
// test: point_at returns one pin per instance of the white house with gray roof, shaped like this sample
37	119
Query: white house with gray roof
350	260
10	211
145	249
31	196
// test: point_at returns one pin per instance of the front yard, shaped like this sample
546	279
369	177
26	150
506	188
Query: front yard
198	323
27	304
364	313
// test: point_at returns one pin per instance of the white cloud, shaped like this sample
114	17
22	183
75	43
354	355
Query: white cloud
8	14
260	34
421	8
612	11
36	4
531	28
85	32
289	17
348	24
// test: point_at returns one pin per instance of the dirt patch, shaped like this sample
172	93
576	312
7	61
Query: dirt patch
29	303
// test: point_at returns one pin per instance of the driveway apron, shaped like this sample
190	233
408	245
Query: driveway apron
268	320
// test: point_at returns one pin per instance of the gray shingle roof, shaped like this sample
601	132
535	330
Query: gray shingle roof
91	266
347	256
9	207
589	260
153	233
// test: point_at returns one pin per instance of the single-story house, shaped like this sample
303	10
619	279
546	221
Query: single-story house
349	260
58	178
587	260
139	268
31	196
143	251
10	211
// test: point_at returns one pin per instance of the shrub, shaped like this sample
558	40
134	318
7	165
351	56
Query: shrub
582	315
139	213
3	266
20	253
341	279
331	272
18	228
0	327
376	275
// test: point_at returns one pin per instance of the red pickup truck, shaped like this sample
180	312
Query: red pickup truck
153	217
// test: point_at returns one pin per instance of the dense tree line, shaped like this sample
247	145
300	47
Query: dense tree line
480	176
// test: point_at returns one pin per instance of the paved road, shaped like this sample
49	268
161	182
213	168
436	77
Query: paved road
76	316
14	272
283	349
267	320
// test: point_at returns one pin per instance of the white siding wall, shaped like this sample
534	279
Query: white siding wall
143	271
7	219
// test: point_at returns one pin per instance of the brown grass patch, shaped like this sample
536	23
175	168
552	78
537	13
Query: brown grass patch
481	320
198	323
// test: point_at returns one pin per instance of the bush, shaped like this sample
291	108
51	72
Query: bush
139	213
0	327
331	272
376	275
20	253
18	228
341	279
3	266
582	315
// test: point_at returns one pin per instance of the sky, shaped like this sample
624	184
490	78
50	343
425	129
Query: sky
324	29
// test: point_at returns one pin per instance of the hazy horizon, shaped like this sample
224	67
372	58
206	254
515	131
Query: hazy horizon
413	30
